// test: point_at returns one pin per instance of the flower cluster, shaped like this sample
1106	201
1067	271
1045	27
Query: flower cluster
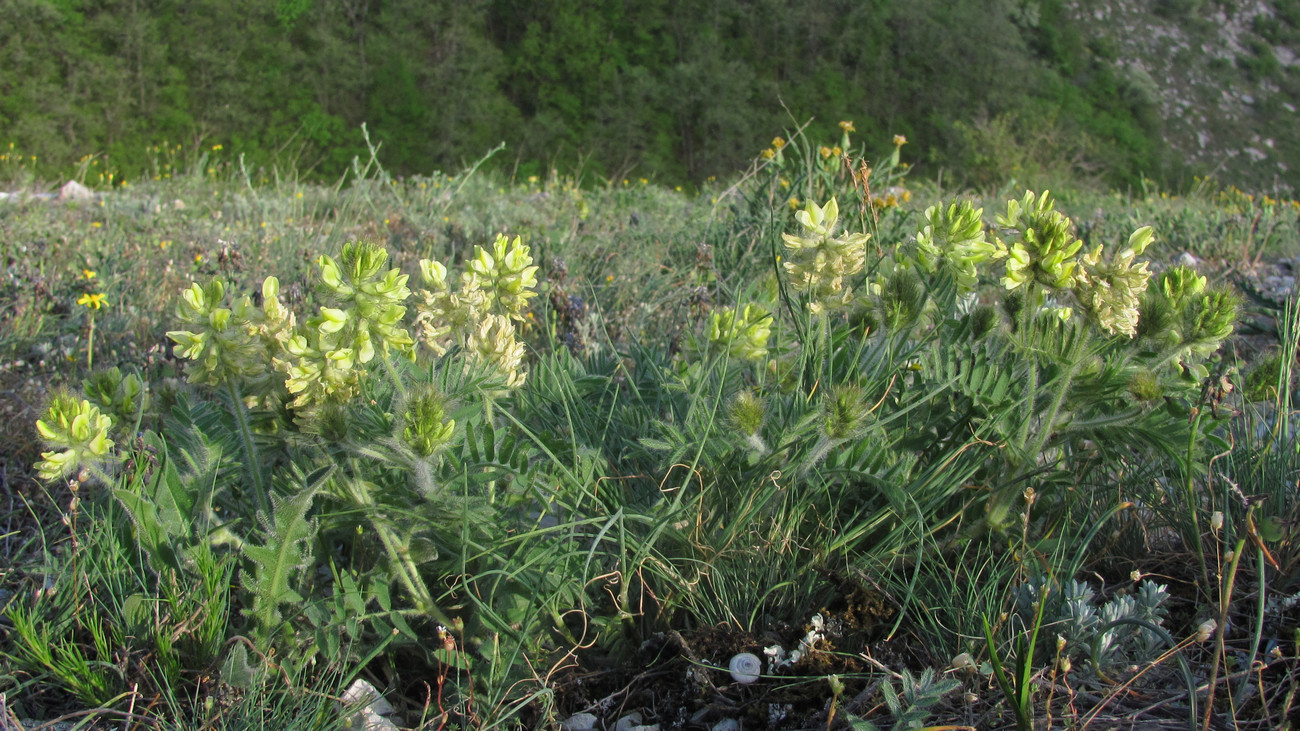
123	397
819	261
319	360
371	300
954	237
427	427
743	335
1045	251
1188	318
506	274
492	342
77	434
1111	290
442	313
227	344
361	318
480	316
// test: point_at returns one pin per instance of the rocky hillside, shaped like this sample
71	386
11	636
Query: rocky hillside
1225	77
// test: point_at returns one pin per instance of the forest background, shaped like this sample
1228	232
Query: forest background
1112	91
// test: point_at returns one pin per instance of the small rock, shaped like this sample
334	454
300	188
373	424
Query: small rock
74	191
368	720
1186	259
371	716
579	722
727	724
362	692
178	205
628	722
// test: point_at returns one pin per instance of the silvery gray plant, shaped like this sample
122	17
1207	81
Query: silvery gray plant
1125	630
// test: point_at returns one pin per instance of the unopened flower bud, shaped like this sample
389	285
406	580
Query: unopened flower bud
1205	630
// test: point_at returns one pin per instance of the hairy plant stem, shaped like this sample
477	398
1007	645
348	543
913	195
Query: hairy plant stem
90	344
409	574
1045	431
488	413
251	461
399	559
393	375
1031	391
824	355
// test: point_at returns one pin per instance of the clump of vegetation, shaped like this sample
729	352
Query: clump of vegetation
461	441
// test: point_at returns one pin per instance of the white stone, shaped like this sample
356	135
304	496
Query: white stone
727	724
371	716
371	721
74	191
362	692
579	722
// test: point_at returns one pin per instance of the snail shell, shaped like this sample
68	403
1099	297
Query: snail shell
745	667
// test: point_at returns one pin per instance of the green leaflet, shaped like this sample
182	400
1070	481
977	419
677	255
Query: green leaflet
287	532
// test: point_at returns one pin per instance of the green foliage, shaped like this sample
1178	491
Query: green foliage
97	608
286	531
665	437
604	92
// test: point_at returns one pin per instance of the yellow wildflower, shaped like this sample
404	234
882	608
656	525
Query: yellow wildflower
88	274
825	151
899	140
847	126
92	301
778	142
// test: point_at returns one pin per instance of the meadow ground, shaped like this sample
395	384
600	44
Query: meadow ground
955	473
